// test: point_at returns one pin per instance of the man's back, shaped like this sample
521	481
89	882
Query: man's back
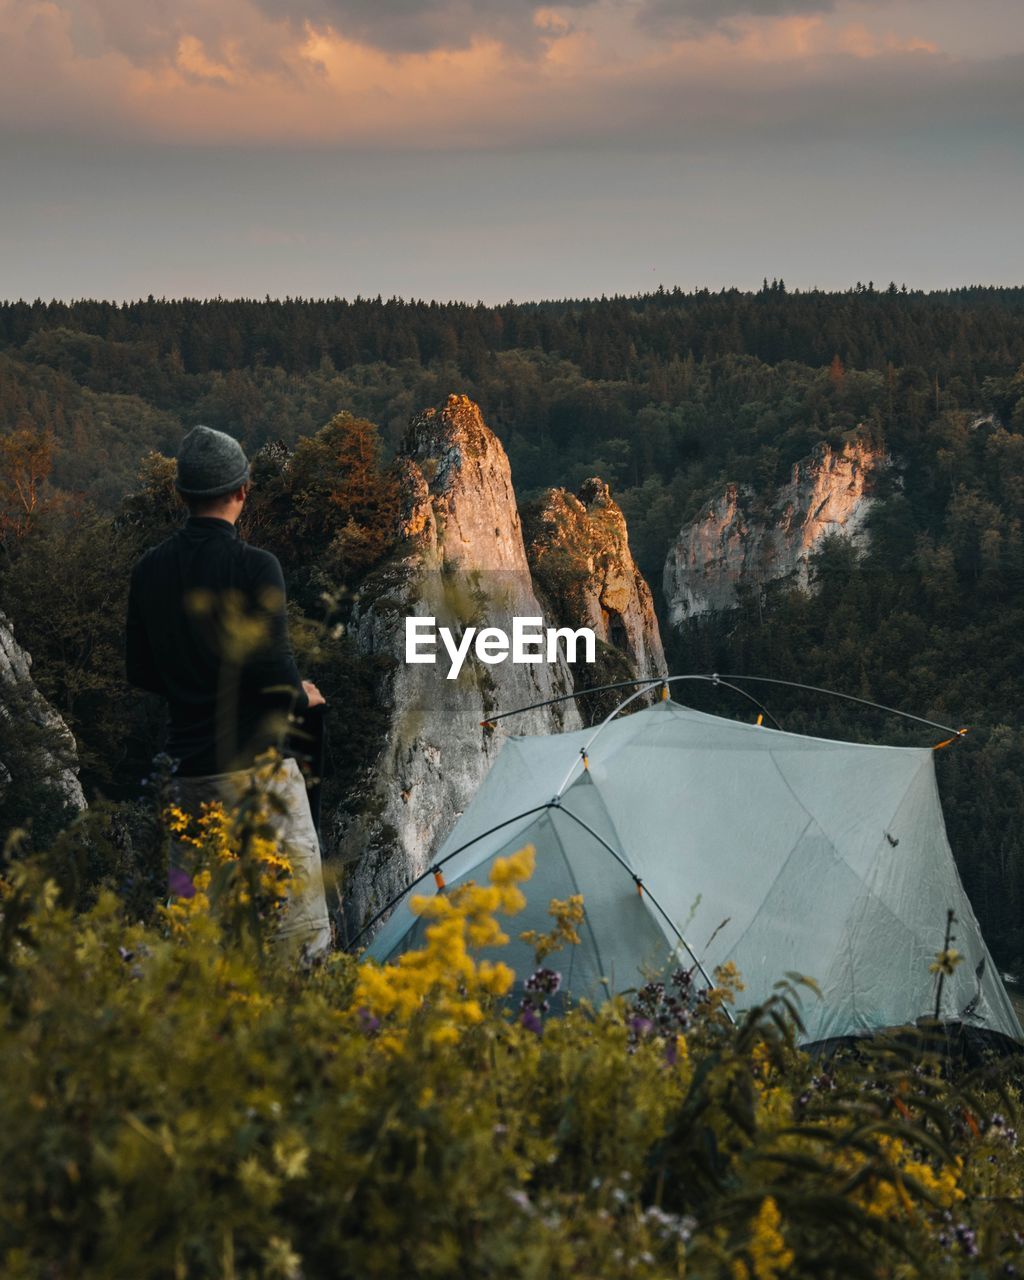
207	629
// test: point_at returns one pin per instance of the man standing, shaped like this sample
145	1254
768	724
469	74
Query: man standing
207	629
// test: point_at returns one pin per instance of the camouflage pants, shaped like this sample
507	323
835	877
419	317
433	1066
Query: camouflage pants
305	928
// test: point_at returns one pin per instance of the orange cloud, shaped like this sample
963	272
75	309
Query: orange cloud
858	40
251	77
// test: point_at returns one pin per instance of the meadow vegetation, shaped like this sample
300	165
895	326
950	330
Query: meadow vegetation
179	1103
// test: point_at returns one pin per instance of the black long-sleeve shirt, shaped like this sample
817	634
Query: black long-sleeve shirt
207	629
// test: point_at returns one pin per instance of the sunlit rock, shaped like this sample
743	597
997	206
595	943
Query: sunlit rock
578	548
461	561
737	541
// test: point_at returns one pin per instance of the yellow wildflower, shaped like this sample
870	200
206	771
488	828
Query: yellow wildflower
447	1033
443	976
513	870
495	978
945	962
567	915
767	1247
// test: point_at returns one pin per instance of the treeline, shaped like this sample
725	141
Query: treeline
955	333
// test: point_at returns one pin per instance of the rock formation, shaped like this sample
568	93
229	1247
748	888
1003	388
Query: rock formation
735	542
462	561
578	549
37	742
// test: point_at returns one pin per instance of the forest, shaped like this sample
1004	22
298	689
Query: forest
666	396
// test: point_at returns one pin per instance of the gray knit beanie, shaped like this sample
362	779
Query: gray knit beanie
210	464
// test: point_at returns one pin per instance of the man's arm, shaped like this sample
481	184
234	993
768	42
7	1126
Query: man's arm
140	664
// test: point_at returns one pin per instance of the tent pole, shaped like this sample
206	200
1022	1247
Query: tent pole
665	681
716	679
551	804
649	681
440	863
566	697
847	697
640	884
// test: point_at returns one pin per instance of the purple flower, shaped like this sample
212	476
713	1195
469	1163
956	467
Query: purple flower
966	1239
530	1020
179	883
666	1013
367	1021
543	982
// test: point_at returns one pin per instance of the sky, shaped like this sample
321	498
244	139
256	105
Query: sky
502	149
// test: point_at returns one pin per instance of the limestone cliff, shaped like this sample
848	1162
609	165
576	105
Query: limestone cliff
462	561
578	549
734	541
36	739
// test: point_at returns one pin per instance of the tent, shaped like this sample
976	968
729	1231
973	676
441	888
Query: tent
825	858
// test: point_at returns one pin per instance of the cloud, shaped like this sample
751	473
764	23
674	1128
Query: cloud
149	32
421	26
692	17
255	72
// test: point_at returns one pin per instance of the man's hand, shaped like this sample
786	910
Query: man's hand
316	698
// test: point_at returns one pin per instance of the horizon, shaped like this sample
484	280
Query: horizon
673	290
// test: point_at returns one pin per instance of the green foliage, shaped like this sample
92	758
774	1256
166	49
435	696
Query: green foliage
66	588
179	1101
345	502
100	435
153	508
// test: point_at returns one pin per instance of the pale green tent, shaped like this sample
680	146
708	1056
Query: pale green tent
825	858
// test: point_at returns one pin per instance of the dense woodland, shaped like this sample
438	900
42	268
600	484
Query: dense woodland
666	396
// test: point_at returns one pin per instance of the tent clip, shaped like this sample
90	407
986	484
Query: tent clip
639	885
960	733
585	758
438	877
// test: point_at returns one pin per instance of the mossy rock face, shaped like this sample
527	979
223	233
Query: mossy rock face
437	437
357	733
578	548
389	577
573	539
462	561
488	689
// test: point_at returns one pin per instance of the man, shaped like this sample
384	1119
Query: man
207	629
